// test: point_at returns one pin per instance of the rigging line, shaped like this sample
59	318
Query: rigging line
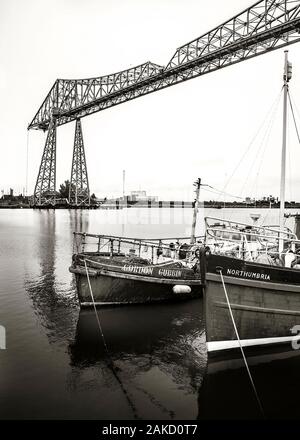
270	207
111	364
295	105
267	117
264	140
288	152
27	154
212	192
241	347
255	159
290	171
222	192
275	104
216	191
295	123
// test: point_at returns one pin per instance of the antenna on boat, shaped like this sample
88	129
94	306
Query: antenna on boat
197	184
286	78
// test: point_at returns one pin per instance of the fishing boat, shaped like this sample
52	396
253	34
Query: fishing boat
135	270
121	270
252	290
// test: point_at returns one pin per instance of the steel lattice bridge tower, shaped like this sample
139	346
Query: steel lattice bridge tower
265	26
79	192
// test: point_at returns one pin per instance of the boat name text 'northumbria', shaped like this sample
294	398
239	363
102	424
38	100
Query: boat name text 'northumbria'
243	273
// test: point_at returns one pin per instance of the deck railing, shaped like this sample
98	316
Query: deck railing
245	241
148	248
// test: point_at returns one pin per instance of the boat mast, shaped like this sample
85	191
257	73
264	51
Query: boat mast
197	184
286	78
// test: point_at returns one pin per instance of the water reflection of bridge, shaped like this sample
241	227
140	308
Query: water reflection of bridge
51	287
158	350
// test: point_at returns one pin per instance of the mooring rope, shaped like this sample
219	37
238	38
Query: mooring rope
95	309
241	347
111	364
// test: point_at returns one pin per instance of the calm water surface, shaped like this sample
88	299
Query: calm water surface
55	365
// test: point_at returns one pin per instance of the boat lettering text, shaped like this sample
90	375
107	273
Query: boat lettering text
245	274
144	270
169	273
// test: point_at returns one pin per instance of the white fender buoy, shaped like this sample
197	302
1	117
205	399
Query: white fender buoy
180	289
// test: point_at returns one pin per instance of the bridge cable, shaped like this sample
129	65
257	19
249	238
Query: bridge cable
110	363
241	347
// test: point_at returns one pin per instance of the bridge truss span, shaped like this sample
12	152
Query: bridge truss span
265	26
262	20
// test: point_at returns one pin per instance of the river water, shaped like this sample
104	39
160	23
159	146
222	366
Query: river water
55	365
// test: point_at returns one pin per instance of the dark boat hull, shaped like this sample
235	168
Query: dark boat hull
265	303
226	392
109	286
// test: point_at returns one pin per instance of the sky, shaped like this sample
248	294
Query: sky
201	128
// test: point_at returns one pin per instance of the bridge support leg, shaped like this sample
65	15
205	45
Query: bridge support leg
45	187
79	192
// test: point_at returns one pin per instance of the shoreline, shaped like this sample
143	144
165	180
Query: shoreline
160	205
